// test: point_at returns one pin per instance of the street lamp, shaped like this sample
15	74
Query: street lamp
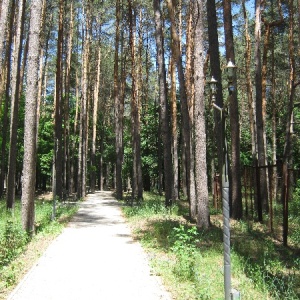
229	294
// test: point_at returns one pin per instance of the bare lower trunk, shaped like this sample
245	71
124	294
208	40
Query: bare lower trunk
29	162
200	131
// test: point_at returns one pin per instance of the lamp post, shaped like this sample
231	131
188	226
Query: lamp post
225	179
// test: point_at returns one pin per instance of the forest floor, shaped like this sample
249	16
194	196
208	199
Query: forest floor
94	258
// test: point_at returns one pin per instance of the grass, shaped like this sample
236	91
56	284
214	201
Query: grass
18	251
190	261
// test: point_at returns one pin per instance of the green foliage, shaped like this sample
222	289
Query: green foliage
14	240
183	241
45	141
294	216
149	208
191	261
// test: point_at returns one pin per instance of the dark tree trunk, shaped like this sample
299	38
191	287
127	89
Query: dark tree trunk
119	110
137	182
16	88
236	189
260	128
58	143
215	69
163	104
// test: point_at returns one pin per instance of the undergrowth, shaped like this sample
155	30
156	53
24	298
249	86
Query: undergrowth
190	261
14	240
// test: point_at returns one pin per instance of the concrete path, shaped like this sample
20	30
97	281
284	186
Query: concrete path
94	258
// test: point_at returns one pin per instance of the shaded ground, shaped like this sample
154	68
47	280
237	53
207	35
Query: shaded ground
94	258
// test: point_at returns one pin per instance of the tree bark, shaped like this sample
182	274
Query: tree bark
29	162
95	118
236	188
137	182
119	110
185	114
15	96
200	131
163	104
215	69
58	143
287	154
5	5
260	128
173	98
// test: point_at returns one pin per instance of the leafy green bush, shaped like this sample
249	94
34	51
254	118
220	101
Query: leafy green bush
183	240
12	242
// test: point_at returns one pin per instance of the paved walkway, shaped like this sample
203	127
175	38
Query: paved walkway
94	258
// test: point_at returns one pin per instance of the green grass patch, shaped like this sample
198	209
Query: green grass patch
14	240
190	261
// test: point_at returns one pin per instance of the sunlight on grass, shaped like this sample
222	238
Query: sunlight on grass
14	241
190	262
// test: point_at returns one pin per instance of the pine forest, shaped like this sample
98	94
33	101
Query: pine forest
193	101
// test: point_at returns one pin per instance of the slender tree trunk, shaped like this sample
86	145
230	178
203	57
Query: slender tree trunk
261	155
236	188
163	104
15	96
95	118
67	147
29	162
287	154
184	112
119	110
200	131
5	118
5	5
58	146
173	98
190	93
82	165
137	184
251	104
214	54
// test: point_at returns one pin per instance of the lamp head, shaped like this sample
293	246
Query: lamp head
213	85
231	69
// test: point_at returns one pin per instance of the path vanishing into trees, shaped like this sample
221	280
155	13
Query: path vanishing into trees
94	258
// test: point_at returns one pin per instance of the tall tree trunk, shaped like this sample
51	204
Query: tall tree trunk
29	162
67	145
137	182
251	104
190	93
5	5
82	165
173	98
119	110
185	114
5	118
163	103
95	118
15	97
200	131
58	143
287	154
215	68
236	188
260	128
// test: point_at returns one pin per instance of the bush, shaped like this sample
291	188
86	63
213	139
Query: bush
183	240
12	242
